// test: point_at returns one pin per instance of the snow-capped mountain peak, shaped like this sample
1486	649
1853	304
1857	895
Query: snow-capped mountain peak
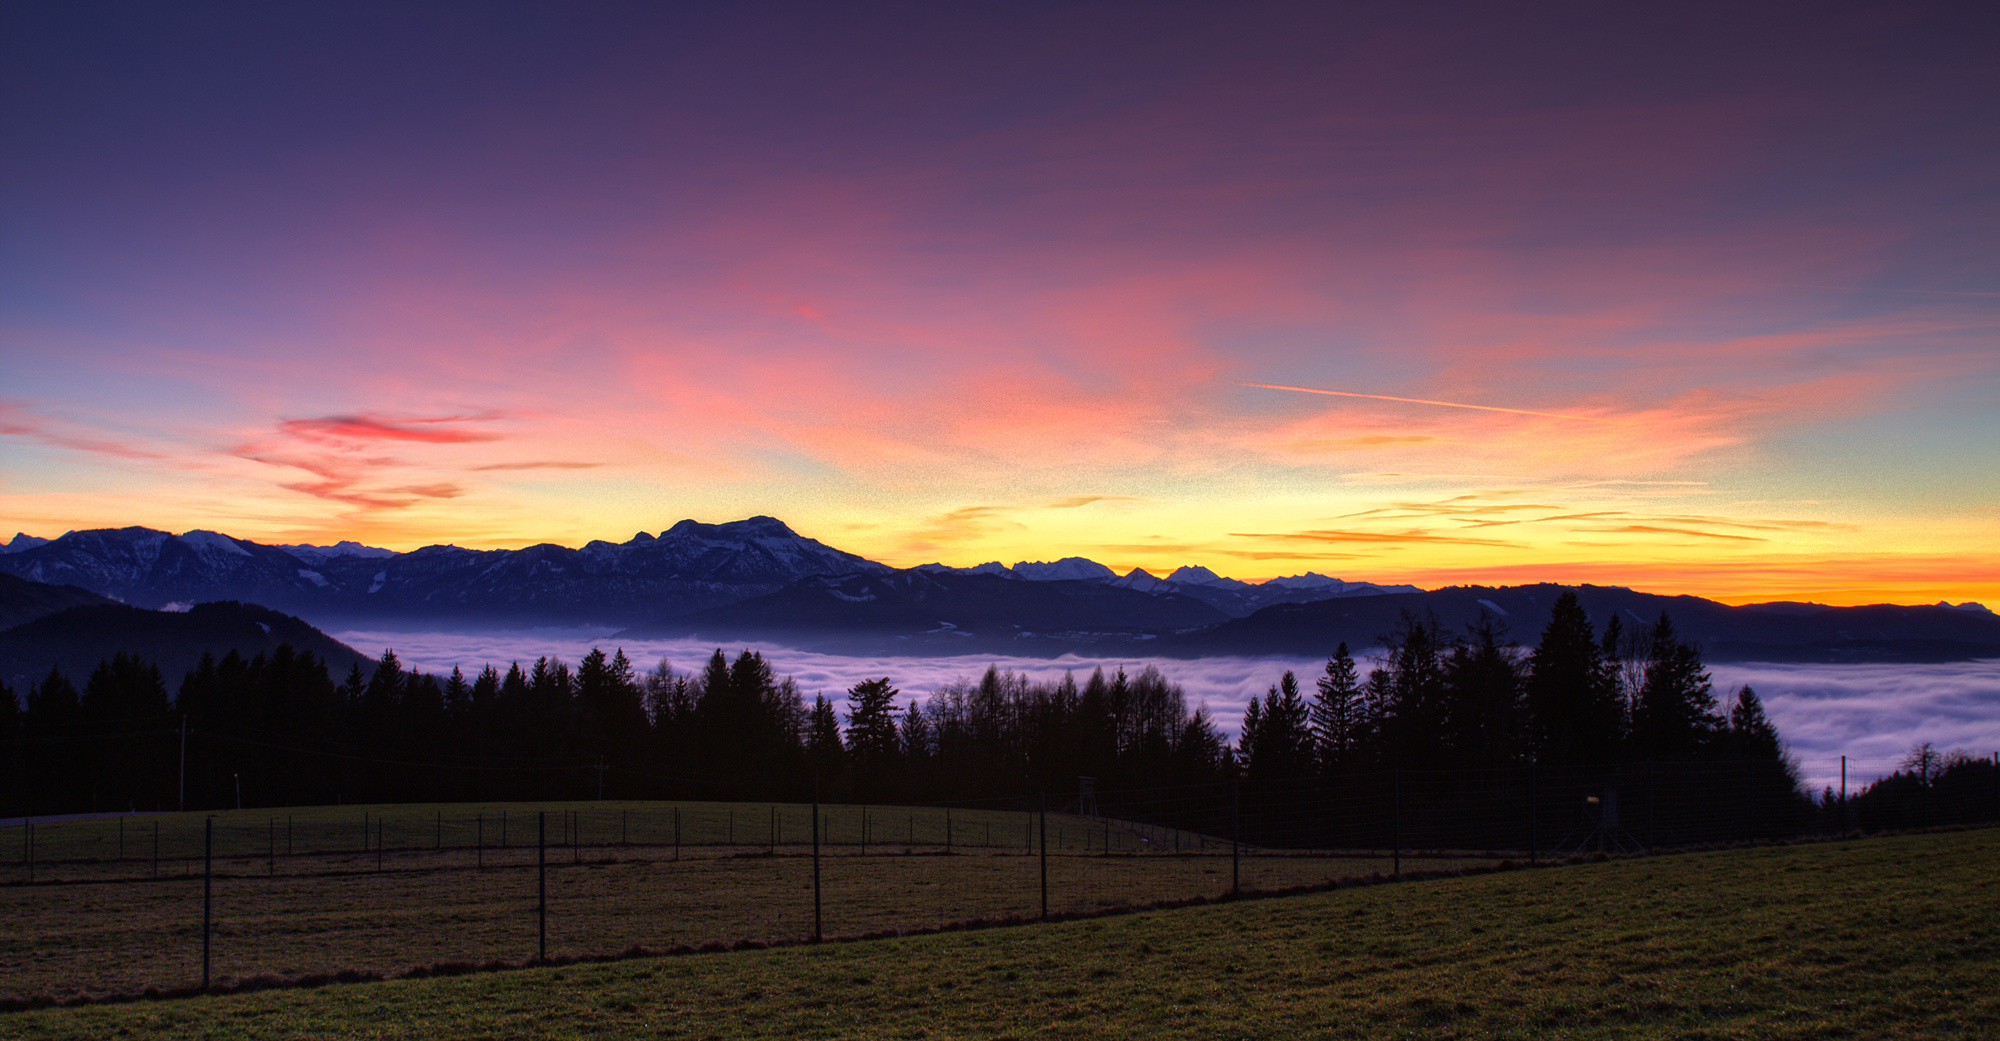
1196	575
213	540
1068	569
1309	580
343	548
1140	579
991	567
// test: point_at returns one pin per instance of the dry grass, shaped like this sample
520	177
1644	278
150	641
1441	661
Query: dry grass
1883	938
114	929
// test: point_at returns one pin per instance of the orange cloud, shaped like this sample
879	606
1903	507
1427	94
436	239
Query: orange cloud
1381	537
536	466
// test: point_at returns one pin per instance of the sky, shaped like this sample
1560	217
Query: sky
1693	298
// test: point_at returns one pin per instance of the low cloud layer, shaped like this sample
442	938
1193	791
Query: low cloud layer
1872	714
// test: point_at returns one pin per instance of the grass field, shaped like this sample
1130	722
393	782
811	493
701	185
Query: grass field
127	846
111	927
1891	938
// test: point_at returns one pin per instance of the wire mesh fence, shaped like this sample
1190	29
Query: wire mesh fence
117	905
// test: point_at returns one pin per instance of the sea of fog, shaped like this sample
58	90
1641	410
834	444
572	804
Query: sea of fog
1872	713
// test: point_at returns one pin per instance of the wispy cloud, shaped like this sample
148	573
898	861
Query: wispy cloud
17	420
553	465
1071	502
346	458
1650	529
1371	537
438	430
1423	401
953	530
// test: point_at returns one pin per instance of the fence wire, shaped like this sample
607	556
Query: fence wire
117	905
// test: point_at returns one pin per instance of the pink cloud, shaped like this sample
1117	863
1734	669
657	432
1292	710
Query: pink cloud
17	420
374	428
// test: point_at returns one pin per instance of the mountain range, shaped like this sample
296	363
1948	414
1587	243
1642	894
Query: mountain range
683	573
758	579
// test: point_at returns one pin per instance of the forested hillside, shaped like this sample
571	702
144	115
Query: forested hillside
279	728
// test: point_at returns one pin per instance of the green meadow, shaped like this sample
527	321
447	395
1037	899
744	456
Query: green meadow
1877	938
302	893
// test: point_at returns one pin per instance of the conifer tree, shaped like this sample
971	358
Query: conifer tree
1414	715
1482	682
872	738
824	751
1199	752
457	694
1674	715
1252	729
1751	735
1336	719
1573	710
1282	745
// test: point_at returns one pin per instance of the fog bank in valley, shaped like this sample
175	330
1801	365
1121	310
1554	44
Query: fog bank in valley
1872	713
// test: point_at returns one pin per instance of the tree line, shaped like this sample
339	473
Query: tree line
278	729
1475	700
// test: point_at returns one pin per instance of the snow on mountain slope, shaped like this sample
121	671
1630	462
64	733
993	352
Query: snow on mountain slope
1068	569
690	567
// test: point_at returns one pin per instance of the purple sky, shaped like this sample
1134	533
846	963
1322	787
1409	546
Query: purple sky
968	282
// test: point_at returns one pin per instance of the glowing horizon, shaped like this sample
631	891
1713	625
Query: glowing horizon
1504	299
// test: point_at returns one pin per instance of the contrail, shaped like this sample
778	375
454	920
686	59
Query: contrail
1885	289
1420	401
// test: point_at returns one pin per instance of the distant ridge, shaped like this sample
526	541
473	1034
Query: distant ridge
24	601
757	578
1755	632
75	640
686	570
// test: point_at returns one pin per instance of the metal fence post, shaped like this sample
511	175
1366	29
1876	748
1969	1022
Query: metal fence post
156	849
1235	836
816	898
1396	811
207	893
1534	809
542	885
1652	805
1756	825
1044	817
